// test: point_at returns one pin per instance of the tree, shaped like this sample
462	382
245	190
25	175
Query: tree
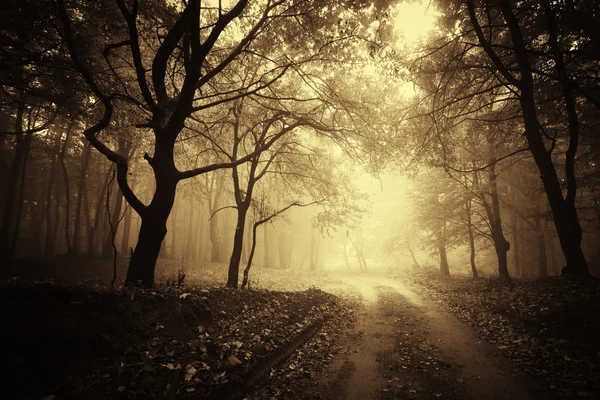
186	67
520	26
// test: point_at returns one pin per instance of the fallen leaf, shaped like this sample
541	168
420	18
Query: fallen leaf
190	371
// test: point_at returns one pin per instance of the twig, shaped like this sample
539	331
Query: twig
222	208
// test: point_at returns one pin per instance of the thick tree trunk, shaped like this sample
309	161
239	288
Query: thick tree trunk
85	161
154	216
143	260
152	232
238	243
563	210
444	267
247	242
250	256
500	243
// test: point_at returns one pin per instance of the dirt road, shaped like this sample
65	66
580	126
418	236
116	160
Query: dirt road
403	347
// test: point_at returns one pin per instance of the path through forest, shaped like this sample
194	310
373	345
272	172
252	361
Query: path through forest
404	347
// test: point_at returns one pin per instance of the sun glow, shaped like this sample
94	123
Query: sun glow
413	22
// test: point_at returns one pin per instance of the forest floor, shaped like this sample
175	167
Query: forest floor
406	347
67	335
548	328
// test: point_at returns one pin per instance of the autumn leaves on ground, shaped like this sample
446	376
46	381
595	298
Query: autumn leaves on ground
385	335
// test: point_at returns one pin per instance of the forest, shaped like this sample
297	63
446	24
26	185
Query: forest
239	199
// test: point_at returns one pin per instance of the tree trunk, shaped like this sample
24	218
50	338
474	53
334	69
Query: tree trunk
14	172
563	210
97	216
515	245
444	267
266	262
54	231
362	250
361	264
190	221
152	232
143	260
171	252
247	242
541	250
107	249
85	161
48	207
346	255
87	216
250	256
35	233
15	235
471	238
314	250
597	210
238	243
215	252
126	231
500	243
65	173
154	216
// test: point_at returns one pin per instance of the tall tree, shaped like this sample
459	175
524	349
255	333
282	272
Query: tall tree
186	62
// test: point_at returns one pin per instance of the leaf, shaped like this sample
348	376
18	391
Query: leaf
232	361
190	371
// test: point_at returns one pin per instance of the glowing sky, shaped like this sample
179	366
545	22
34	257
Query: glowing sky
413	22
